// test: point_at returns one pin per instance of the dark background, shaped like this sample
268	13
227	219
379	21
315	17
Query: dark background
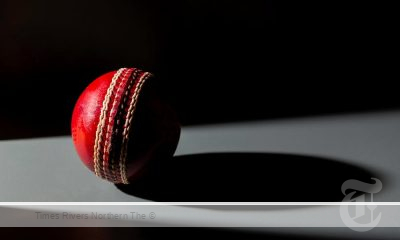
216	61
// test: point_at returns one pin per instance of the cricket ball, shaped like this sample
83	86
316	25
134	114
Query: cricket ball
120	125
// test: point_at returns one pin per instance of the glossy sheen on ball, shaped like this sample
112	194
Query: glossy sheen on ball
119	125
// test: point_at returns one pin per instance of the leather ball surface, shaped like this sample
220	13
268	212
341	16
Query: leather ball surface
120	125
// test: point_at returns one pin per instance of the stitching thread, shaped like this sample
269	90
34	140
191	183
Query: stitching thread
99	130
107	145
127	126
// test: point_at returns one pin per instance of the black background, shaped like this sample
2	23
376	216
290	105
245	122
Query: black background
216	61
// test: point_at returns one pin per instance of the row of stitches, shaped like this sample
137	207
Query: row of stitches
102	122
133	98
115	100
119	118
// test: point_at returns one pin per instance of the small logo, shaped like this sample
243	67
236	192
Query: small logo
355	216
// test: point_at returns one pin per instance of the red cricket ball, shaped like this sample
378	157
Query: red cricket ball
119	125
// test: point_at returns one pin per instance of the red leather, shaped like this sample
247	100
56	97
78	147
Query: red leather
86	117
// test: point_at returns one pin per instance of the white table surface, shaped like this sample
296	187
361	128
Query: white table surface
48	169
